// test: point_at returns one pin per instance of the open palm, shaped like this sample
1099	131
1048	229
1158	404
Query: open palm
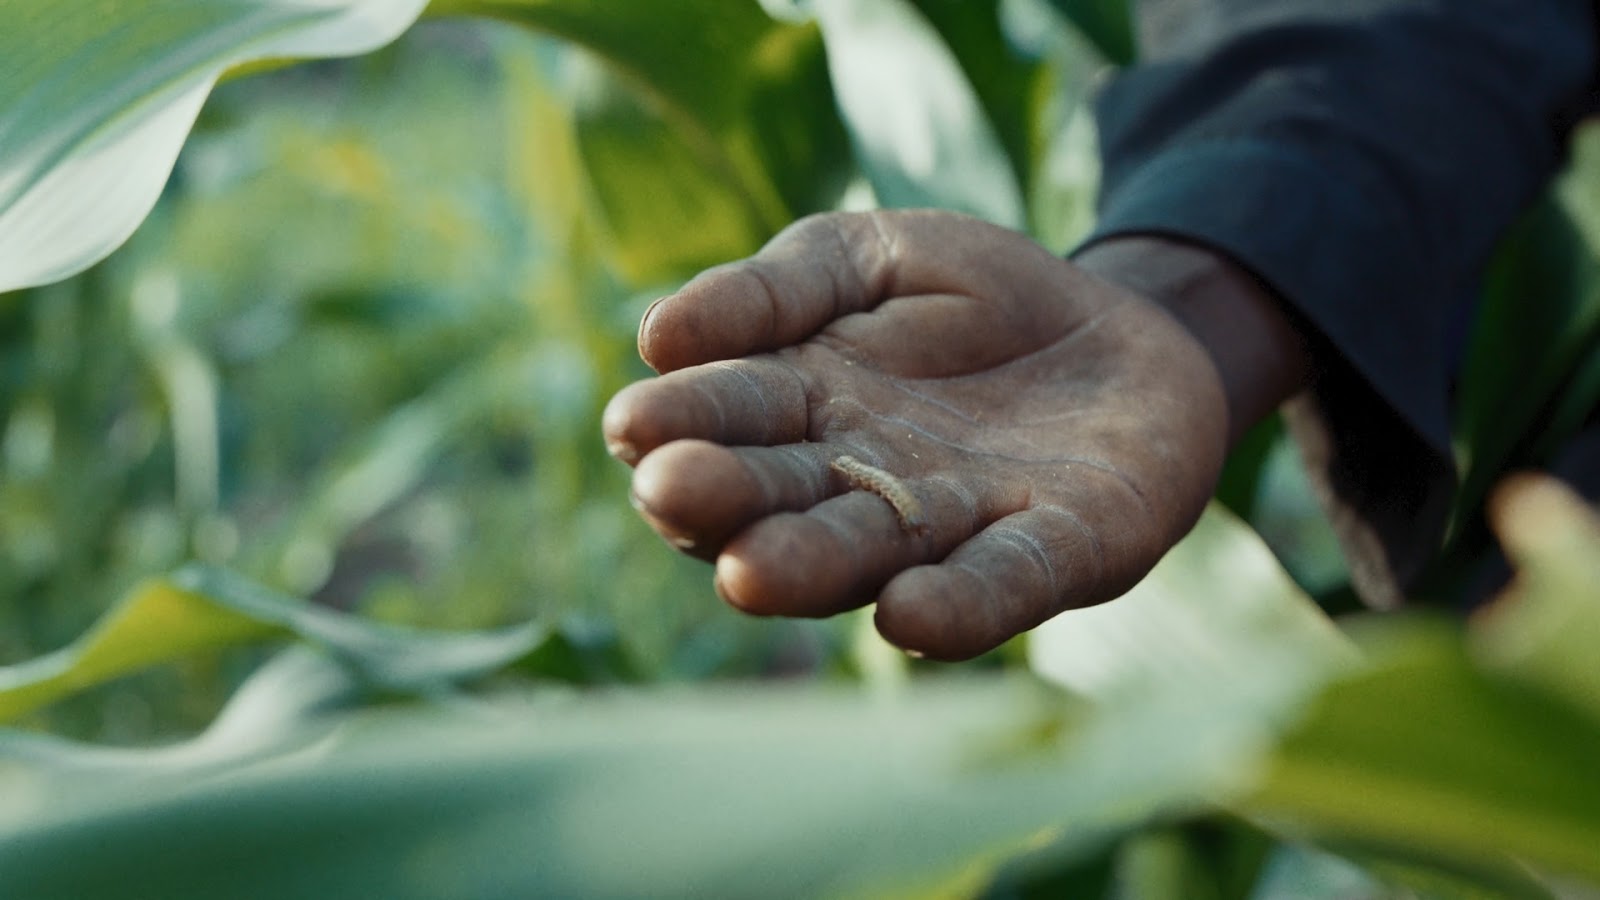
1046	436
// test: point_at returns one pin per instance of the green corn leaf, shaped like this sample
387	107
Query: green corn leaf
1295	869
95	101
97	98
921	790
274	708
1433	878
1010	87
771	792
1427	753
201	609
666	209
1539	319
1240	483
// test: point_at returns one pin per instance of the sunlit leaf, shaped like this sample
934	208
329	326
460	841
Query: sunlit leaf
97	98
268	712
1416	751
1578	189
776	792
918	126
201	609
154	623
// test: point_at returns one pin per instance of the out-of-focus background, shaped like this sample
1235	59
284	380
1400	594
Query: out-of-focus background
357	353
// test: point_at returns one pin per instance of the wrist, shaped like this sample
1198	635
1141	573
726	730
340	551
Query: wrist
1260	355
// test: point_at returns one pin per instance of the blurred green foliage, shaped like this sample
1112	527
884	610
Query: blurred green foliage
358	353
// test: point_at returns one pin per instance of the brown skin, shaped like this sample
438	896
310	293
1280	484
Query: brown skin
1062	424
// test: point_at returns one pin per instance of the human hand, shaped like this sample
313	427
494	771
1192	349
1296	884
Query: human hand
1059	433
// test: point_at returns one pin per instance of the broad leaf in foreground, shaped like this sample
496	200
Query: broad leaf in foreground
771	792
759	791
1469	750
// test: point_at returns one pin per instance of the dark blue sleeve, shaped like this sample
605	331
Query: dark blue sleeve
1361	157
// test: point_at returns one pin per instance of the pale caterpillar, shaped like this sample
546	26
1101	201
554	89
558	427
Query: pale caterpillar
877	481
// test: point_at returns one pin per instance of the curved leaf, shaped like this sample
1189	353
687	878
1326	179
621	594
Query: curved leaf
1010	86
269	711
201	609
96	100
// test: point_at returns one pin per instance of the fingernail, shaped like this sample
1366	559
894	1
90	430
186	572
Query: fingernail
644	323
620	449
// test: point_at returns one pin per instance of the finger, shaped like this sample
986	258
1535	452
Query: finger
817	269
839	554
949	335
825	267
698	494
755	402
1012	576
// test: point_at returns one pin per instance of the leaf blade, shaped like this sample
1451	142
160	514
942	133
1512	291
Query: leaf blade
918	125
97	99
201	609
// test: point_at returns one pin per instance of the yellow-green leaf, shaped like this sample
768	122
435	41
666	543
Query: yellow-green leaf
201	609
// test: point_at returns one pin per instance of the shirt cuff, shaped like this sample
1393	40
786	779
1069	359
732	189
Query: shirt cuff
1289	221
1374	429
